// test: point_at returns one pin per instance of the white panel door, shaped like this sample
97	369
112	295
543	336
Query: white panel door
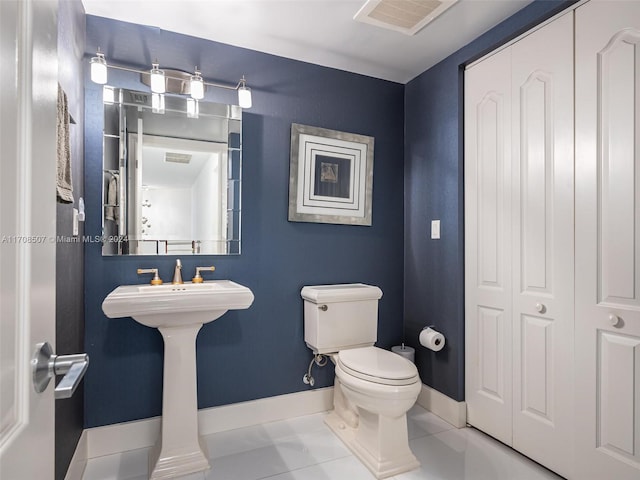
488	329
28	91
608	240
542	246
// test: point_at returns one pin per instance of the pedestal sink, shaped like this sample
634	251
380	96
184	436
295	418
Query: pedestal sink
178	312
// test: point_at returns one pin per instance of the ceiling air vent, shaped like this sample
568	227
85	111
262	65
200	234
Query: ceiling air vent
405	16
173	157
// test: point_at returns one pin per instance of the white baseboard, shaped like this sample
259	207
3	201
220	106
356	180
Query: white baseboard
446	408
122	437
79	460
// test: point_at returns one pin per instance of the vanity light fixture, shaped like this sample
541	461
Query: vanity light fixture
158	84
197	86
99	68
161	81
244	94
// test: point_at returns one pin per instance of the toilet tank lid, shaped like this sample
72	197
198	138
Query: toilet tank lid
348	292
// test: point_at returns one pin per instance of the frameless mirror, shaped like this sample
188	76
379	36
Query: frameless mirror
172	175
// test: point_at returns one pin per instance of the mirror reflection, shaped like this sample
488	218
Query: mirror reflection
171	175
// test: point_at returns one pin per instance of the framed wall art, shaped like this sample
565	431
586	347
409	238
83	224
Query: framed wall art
331	176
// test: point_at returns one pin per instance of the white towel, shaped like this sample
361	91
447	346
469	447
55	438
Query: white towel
111	212
64	185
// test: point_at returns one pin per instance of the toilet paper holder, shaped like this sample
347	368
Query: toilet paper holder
433	340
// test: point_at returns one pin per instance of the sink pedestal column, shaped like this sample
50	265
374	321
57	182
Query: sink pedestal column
178	450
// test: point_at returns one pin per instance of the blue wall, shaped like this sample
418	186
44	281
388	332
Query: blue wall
434	189
258	352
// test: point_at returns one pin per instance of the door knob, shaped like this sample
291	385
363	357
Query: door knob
614	320
45	365
540	307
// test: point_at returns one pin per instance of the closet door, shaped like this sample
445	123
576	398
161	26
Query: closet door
488	246
608	240
519	244
542	246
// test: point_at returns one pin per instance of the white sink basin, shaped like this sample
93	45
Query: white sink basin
173	305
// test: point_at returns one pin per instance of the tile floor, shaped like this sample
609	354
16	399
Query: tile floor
304	448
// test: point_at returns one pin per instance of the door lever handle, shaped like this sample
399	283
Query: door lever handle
67	386
45	365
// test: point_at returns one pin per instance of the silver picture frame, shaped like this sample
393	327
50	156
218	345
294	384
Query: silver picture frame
330	176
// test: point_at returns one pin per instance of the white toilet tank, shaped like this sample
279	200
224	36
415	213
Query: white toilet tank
338	317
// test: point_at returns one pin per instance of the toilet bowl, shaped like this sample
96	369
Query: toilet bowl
378	387
374	388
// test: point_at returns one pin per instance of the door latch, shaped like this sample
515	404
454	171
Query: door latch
45	365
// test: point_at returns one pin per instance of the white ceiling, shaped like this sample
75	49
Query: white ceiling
317	31
156	172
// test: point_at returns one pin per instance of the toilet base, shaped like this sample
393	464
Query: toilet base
401	461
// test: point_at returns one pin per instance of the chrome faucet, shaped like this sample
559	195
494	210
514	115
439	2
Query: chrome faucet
177	274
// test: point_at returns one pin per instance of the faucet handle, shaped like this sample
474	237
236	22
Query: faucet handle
198	278
156	280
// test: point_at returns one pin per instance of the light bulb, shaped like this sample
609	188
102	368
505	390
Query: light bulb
197	86
99	69
244	97
244	94
157	79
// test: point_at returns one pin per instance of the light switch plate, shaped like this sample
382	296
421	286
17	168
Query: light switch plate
75	222
435	229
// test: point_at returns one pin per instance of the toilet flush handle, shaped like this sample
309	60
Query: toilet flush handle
324	308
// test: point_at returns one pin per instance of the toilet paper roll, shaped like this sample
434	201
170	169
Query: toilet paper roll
407	352
432	339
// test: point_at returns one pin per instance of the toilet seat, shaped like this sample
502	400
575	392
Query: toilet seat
376	365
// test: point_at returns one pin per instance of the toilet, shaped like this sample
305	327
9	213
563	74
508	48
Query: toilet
374	388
